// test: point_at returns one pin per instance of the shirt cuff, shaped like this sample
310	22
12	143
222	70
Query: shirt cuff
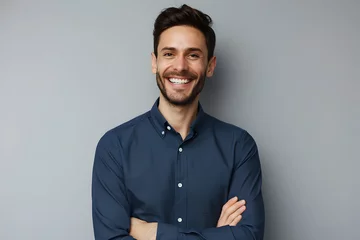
166	232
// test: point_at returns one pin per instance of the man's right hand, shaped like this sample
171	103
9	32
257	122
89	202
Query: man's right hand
231	212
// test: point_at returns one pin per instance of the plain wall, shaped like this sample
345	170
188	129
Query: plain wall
288	72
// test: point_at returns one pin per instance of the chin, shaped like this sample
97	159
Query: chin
180	101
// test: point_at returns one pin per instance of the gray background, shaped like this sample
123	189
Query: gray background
288	72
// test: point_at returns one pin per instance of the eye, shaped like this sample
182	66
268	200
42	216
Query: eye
167	54
194	56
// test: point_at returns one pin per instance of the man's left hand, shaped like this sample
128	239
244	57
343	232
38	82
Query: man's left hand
142	230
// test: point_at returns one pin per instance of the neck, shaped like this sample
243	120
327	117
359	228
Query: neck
179	117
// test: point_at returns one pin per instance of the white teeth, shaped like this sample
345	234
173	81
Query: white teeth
178	81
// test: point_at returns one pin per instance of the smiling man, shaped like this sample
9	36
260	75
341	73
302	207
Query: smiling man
176	172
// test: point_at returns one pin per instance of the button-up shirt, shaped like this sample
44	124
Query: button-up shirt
145	169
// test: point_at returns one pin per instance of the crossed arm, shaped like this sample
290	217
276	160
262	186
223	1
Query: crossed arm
235	223
230	216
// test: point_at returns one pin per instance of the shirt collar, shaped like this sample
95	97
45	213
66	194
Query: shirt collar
161	124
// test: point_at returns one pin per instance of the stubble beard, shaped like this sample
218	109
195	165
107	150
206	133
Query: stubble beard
183	101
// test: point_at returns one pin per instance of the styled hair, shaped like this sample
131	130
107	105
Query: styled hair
185	16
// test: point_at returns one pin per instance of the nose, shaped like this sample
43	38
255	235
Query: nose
180	63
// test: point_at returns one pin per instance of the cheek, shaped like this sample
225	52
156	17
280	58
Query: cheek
198	67
162	69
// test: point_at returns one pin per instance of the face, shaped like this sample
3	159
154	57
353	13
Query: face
182	64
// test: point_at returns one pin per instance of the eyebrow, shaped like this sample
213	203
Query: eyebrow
192	49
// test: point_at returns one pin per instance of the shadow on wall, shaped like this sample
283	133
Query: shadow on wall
215	89
222	91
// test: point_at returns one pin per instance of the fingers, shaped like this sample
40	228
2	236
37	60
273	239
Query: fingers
228	204
235	207
235	221
231	212
233	217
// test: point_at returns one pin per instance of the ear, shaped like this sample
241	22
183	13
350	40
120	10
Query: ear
153	63
211	67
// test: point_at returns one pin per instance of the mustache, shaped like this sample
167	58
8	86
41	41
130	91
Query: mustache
183	73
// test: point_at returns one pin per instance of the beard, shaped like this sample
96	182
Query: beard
185	100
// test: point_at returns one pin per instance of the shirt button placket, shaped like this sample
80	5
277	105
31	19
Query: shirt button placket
180	192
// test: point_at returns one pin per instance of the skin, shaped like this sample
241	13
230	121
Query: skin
182	54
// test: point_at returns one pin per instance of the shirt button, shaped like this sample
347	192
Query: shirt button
162	132
180	149
179	185
168	127
179	219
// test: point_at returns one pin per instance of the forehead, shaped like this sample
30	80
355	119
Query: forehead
181	38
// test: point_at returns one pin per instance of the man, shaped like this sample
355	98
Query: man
176	172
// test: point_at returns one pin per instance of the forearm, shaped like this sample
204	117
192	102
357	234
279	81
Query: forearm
242	232
110	208
105	228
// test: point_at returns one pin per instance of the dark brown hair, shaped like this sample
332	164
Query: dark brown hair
187	16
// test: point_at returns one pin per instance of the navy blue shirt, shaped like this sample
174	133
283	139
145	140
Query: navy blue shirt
144	169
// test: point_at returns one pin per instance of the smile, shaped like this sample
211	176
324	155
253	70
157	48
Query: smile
179	80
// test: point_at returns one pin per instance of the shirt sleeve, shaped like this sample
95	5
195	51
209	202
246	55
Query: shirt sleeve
110	207
245	184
